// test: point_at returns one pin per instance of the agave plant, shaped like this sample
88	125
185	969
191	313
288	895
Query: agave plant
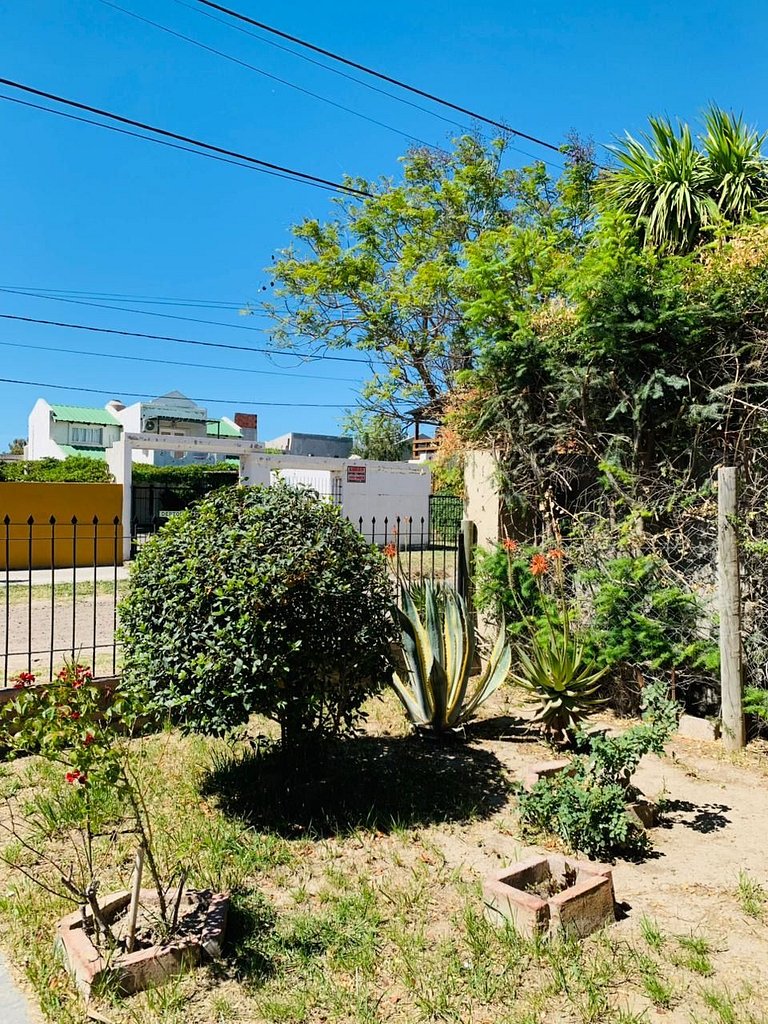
560	681
434	683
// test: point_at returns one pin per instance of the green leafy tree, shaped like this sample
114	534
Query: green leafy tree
16	446
677	188
388	274
376	436
258	601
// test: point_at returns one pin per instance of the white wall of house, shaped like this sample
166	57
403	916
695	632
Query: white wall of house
40	443
390	489
46	434
363	488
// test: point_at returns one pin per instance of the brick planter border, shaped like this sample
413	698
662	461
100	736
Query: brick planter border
579	910
146	968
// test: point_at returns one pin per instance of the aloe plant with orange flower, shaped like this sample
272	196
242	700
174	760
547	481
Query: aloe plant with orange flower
554	671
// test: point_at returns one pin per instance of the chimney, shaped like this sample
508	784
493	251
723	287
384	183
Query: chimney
248	423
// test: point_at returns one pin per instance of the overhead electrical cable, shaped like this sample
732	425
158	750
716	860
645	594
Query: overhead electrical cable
175	362
266	74
379	74
304	357
152	300
140	394
128	309
326	67
205	147
144	138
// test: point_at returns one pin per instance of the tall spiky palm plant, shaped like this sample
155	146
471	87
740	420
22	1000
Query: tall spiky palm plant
738	170
675	190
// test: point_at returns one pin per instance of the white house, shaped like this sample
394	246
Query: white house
56	431
174	415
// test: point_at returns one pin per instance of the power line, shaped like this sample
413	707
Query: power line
175	362
301	176
140	394
182	341
152	300
126	309
265	74
380	75
325	67
148	138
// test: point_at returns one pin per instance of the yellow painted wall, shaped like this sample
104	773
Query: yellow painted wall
58	542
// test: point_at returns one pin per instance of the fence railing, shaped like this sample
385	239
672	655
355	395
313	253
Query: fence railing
60	585
61	581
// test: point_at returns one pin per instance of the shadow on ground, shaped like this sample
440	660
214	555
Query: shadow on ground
365	782
504	727
704	818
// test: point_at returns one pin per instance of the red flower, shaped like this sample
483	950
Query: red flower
556	553
75	776
74	715
89	738
390	550
510	545
23	679
539	565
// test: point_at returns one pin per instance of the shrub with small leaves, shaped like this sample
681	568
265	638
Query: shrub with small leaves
258	600
586	805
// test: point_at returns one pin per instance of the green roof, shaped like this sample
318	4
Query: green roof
218	428
89	453
84	414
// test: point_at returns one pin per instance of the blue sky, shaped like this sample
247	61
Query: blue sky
83	210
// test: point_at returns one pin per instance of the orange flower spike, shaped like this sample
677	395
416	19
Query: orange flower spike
539	565
390	550
510	545
557	554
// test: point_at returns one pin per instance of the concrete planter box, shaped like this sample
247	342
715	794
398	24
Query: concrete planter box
584	902
144	968
543	770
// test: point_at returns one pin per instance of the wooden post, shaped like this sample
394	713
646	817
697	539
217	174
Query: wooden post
730	609
466	544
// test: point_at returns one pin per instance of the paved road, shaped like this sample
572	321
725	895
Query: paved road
13	1005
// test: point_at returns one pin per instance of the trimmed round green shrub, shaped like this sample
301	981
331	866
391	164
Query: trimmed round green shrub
260	600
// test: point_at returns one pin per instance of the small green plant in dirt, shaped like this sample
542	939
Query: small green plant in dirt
586	805
98	794
554	671
258	600
753	896
434	681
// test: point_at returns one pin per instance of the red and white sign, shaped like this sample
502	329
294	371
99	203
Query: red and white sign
356	474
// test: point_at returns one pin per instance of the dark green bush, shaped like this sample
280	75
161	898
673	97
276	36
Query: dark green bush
258	601
78	469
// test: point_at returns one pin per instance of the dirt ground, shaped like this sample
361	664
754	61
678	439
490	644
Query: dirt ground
716	826
24	634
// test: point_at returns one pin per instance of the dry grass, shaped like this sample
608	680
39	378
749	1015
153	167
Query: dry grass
348	909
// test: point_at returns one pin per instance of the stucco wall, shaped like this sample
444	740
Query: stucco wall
483	499
19	501
39	442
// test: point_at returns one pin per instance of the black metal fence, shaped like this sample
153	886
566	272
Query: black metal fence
61	582
60	585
